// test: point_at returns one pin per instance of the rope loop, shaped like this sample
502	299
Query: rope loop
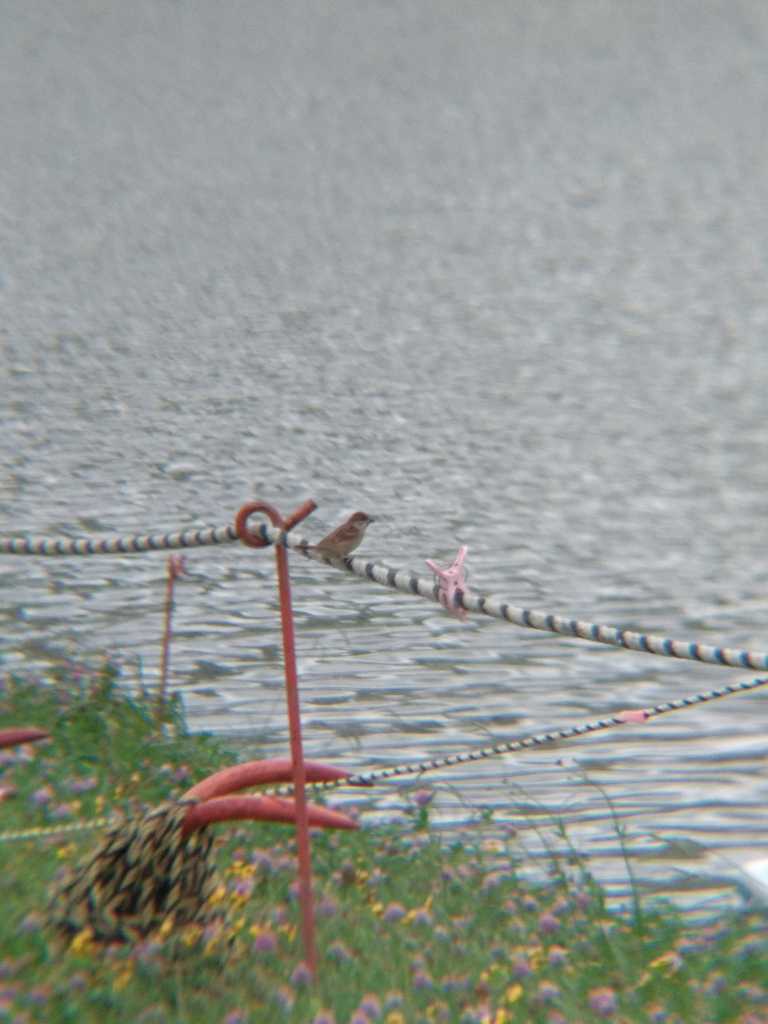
260	538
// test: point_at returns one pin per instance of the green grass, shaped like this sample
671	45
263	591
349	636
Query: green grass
411	927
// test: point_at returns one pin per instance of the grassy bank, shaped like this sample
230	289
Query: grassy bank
410	928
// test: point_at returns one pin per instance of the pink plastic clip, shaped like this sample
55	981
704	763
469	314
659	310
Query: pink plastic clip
633	716
453	583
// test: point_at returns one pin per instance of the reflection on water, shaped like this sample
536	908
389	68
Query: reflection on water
416	264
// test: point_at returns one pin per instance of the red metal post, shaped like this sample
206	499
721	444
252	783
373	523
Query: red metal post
176	566
294	712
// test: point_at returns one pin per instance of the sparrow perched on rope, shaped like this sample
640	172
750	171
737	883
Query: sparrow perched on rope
345	538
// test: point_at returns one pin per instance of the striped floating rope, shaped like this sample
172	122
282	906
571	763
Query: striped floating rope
537	740
118	545
46	831
461	757
407	582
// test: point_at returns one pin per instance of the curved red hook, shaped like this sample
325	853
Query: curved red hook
260	808
253	540
30	734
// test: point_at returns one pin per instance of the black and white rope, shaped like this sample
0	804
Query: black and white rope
407	582
528	742
417	768
118	545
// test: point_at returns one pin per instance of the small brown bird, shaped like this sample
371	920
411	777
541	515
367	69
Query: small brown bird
345	538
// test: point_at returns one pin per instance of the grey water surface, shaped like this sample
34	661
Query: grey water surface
494	273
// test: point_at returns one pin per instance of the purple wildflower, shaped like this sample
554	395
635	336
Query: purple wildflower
602	1001
243	887
548	923
455	983
301	975
423	797
235	1017
280	915
562	906
393	912
327	907
547	992
657	1013
265	942
557	956
82	785
422	980
370	1005
583	899
42	796
521	968
39	995
33	922
263	862
338	951
393	1001
147	951
284	998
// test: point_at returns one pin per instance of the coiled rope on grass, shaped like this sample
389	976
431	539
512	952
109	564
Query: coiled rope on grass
404	580
637	716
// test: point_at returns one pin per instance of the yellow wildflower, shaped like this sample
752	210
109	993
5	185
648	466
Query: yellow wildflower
83	941
218	895
64	852
493	845
513	993
241	869
191	934
123	978
669	963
